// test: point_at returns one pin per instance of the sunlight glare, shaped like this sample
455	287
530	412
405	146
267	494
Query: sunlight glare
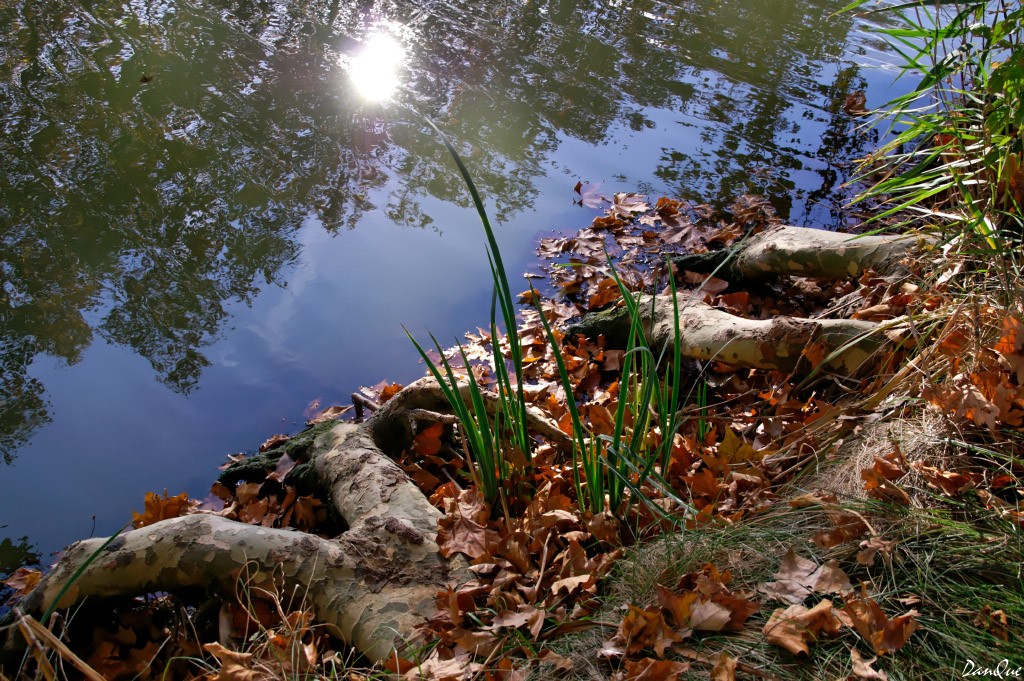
374	71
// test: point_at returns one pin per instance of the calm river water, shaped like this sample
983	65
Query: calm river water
203	227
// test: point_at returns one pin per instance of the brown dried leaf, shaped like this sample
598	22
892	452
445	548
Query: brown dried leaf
877	487
794	627
461	534
274	441
159	508
709	616
233	666
883	634
329	414
284	466
870	547
862	668
951	483
23	580
649	669
725	668
798	578
847	526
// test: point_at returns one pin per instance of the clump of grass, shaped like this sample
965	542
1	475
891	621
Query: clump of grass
957	148
609	472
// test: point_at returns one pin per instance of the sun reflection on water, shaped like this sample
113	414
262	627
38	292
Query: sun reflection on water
375	69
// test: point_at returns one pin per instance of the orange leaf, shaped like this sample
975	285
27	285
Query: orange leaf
879	488
1011	346
23	580
159	508
607	291
428	441
389	391
725	668
815	353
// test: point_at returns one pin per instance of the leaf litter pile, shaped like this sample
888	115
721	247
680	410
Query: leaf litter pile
541	564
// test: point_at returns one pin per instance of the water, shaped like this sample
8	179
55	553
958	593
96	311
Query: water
203	227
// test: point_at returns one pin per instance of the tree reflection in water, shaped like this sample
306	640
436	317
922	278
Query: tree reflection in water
159	157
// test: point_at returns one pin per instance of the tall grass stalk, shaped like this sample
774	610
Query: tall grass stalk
488	445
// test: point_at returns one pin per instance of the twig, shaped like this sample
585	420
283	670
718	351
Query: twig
362	402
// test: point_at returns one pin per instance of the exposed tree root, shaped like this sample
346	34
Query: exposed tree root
375	582
777	344
803	252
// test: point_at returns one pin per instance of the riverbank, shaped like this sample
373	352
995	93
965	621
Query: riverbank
742	550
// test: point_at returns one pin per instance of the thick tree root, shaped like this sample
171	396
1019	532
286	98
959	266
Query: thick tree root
803	252
375	583
709	333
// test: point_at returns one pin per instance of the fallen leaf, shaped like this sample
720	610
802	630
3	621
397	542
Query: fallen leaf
329	414
274	441
794	627
870	547
709	616
649	669
233	666
883	634
847	526
798	578
725	668
862	668
23	580
854	103
951	483
389	391
159	508
284	466
427	442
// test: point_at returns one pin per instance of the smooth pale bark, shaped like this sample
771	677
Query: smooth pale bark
376	582
804	252
708	333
